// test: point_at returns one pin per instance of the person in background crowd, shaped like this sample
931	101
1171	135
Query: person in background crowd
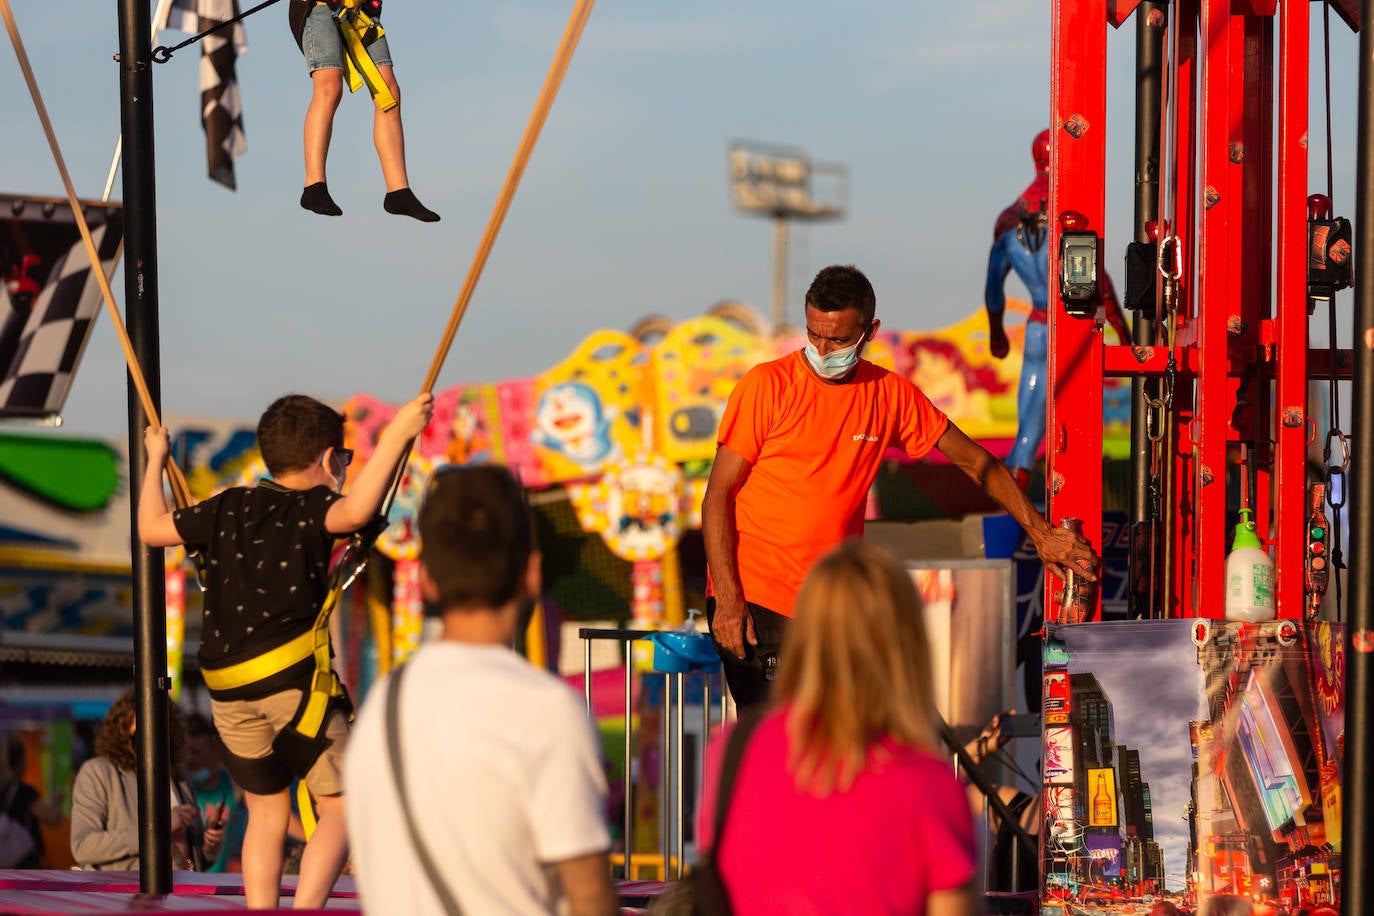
24	804
841	803
219	800
105	799
1024	806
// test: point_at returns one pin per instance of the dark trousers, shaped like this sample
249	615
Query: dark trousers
750	677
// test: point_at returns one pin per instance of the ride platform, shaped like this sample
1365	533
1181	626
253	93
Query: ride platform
40	892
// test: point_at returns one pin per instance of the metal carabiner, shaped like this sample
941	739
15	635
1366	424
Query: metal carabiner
1155	422
1169	244
1344	440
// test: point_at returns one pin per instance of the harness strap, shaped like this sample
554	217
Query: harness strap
263	666
300	743
358	29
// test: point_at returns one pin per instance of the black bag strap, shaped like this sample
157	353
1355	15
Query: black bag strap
11	790
393	744
734	754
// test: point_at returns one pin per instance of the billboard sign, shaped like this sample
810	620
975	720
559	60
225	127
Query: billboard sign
1101	797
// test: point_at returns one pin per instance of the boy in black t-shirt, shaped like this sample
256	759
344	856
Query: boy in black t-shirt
267	552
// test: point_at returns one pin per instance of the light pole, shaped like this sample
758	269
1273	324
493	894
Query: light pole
768	180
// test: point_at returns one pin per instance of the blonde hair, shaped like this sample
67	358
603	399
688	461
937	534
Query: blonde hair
855	667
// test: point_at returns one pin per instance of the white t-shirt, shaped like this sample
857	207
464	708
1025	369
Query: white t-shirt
504	777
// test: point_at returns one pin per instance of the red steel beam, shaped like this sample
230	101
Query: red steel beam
1078	119
1290	322
1218	272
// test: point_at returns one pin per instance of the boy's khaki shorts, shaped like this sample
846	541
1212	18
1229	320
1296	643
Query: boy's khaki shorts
247	728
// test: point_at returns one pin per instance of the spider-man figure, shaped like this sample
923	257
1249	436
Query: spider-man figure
1020	243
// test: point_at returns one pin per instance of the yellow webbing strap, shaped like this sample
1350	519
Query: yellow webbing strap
324	684
306	802
356	27
261	667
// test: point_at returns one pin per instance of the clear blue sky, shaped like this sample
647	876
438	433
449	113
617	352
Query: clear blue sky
624	210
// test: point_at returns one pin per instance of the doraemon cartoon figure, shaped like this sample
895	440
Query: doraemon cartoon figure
572	421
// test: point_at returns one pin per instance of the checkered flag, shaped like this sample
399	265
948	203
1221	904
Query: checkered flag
36	378
220	110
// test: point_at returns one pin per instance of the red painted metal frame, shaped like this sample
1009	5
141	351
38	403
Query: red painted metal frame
1234	323
1078	165
1218	286
1291	320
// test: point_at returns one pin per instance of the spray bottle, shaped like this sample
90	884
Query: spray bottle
1249	575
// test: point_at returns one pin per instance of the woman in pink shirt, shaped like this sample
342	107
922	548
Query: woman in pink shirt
841	804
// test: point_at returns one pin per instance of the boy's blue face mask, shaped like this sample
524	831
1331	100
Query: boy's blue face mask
837	363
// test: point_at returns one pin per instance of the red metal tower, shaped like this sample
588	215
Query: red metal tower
1233	351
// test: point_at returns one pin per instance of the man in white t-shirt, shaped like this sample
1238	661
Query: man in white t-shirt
502	770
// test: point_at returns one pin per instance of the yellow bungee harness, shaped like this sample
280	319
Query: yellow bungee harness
359	28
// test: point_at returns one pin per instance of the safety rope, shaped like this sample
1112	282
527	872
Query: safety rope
1169	265
1334	475
180	491
162	53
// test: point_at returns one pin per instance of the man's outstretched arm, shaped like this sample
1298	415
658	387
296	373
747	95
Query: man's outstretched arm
1058	548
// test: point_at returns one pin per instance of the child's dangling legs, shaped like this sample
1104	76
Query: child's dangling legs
389	137
323	50
319	128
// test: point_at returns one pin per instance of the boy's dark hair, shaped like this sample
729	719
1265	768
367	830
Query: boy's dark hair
476	536
843	286
295	430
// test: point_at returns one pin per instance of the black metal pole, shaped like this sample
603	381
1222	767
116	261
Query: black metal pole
1357	860
1149	57
140	317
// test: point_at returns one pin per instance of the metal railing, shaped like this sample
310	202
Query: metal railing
674	726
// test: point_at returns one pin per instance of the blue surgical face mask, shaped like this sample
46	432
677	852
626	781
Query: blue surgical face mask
201	777
837	363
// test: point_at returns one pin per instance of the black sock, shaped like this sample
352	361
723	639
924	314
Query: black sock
316	197
405	203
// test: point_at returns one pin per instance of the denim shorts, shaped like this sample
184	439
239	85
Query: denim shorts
323	48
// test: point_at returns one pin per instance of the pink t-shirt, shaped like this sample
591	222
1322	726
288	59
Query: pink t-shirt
901	832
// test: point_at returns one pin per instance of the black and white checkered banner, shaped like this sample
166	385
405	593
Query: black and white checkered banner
221	112
49	298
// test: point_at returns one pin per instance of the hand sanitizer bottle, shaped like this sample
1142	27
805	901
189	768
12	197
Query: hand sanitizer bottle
1249	576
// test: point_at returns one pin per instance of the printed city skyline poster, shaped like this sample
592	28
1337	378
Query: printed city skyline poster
1203	762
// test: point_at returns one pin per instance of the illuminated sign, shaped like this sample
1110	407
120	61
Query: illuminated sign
1102	797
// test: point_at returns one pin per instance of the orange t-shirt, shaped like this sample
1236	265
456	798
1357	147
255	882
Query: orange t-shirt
814	449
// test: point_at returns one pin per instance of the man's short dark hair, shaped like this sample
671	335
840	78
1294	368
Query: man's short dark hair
840	287
295	430
476	536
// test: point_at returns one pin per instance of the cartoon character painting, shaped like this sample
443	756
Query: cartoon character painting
571	420
471	443
961	390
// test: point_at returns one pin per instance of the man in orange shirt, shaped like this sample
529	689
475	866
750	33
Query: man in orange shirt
799	446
